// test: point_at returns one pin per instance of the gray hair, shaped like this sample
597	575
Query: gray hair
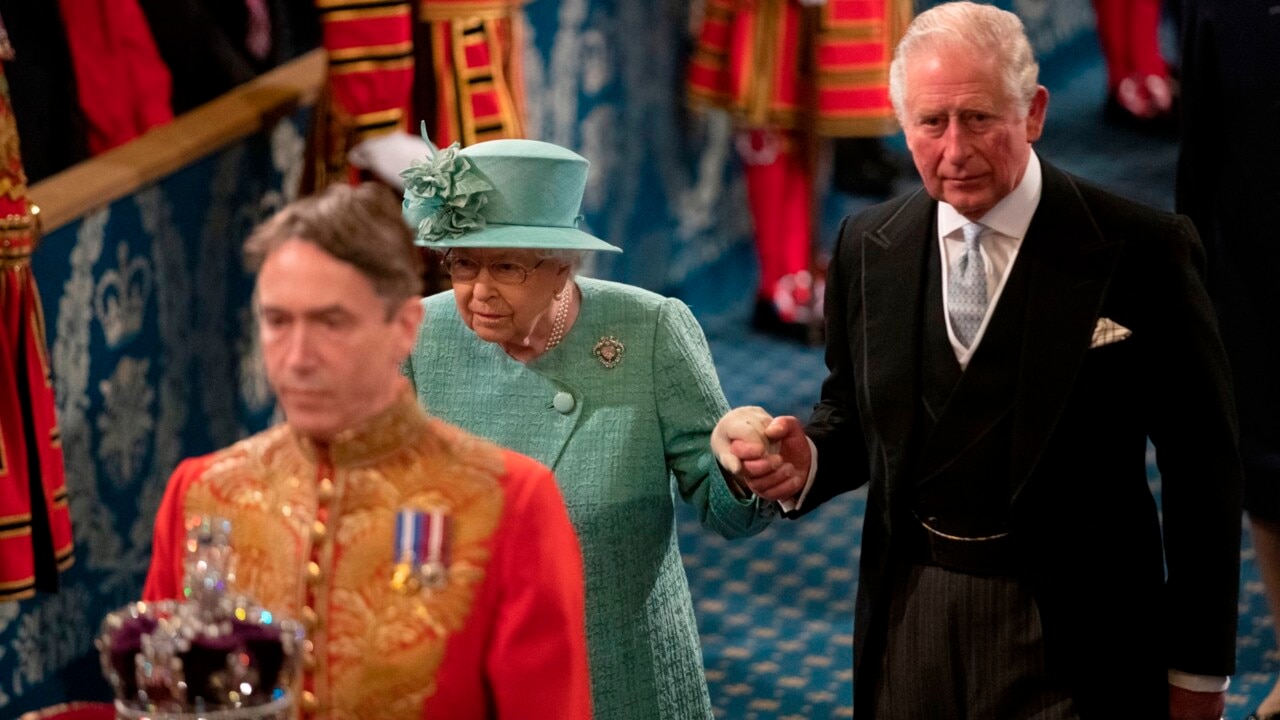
361	226
985	30
562	256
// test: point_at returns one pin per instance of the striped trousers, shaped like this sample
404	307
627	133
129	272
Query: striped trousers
965	646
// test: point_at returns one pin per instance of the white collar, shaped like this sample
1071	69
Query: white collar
1011	216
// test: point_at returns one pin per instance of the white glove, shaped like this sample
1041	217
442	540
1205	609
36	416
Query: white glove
744	423
386	155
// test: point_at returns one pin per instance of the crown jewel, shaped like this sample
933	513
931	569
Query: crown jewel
215	656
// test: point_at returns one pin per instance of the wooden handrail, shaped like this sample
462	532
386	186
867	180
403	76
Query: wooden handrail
248	109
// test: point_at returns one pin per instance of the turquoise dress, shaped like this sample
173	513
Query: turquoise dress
615	437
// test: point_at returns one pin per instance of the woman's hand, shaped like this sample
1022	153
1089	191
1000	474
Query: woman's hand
770	456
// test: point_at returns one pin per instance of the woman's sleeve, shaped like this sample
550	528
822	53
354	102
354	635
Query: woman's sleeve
690	402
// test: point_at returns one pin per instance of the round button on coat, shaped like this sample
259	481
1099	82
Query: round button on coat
563	402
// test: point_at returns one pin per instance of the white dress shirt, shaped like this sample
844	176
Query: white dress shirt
1006	225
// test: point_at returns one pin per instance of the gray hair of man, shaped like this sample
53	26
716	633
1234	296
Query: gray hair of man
986	31
361	226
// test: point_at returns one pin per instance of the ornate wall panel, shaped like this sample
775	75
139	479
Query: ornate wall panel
154	360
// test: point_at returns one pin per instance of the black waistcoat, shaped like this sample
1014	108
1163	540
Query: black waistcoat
962	483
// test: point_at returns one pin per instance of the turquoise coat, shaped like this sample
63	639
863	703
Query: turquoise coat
615	437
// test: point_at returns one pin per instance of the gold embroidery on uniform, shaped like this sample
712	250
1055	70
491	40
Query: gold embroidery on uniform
249	484
12	185
378	651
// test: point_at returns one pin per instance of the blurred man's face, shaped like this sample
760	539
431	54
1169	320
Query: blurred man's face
332	348
967	137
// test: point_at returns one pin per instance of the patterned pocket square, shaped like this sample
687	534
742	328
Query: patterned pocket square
1108	331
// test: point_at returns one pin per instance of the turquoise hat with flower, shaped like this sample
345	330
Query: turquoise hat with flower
499	194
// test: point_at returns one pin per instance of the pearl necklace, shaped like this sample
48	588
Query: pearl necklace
557	323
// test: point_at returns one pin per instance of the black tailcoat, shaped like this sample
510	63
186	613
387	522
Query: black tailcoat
1093	546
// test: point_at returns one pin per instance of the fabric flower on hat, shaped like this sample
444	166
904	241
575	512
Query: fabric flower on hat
443	195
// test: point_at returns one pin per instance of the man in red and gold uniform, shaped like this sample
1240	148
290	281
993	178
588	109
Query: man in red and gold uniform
790	71
35	526
454	64
437	574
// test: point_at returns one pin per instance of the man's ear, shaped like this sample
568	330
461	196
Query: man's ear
406	318
1036	113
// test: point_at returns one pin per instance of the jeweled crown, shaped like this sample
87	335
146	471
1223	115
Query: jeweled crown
216	655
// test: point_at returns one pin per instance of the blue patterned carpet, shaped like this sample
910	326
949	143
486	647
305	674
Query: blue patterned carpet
776	611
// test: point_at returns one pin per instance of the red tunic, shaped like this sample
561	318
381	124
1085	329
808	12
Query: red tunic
313	529
35	526
472	53
475	59
123	84
787	72
776	64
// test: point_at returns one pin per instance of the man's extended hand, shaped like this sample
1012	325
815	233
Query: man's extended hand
769	455
1190	705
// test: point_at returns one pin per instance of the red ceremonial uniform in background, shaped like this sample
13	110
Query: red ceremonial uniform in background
466	57
123	84
787	72
35	526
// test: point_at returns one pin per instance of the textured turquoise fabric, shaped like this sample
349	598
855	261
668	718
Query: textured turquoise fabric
533	197
631	428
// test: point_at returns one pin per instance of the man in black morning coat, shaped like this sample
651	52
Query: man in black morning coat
1001	344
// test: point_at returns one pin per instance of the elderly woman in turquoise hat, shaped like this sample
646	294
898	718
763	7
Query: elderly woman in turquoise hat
609	385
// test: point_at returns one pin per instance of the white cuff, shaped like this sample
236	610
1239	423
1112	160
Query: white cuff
794	504
1199	683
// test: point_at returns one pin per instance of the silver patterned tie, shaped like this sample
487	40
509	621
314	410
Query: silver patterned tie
967	287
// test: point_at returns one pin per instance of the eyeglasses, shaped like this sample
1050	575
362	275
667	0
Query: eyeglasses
505	272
